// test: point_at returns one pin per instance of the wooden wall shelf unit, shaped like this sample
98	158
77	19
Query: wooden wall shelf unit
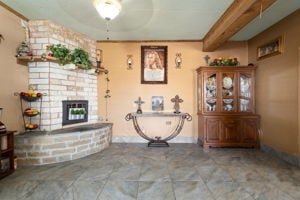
226	107
6	153
23	60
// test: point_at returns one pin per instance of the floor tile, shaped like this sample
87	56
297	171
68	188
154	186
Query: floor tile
155	190
154	171
47	190
15	190
118	189
83	190
228	190
214	173
181	171
191	190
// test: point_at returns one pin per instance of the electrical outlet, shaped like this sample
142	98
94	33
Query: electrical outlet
168	122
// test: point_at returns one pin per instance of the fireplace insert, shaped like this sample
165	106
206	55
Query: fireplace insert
75	111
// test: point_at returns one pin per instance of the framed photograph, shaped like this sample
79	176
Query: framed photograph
157	103
272	48
154	64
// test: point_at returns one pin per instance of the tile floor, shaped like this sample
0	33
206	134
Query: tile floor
134	171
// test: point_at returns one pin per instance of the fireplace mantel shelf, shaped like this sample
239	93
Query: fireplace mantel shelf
23	60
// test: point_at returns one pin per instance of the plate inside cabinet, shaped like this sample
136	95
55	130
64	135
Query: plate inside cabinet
227	82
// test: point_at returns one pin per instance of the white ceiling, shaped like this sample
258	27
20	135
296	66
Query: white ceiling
148	19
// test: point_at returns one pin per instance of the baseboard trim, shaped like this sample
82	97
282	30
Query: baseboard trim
137	139
294	160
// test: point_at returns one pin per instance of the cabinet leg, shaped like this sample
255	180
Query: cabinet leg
205	148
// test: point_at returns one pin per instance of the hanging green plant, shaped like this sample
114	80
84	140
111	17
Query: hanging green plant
107	94
81	57
61	53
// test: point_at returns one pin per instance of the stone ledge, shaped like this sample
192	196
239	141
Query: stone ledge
47	147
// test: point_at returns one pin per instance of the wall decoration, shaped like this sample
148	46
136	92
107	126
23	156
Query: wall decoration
154	64
271	48
129	62
178	61
157	103
220	61
176	100
139	102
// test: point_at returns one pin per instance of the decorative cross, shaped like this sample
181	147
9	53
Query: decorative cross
139	102
176	100
206	58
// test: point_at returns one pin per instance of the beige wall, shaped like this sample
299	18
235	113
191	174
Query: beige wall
125	84
277	86
13	77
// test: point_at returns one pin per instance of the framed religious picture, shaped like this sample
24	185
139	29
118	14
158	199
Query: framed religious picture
154	64
157	103
271	48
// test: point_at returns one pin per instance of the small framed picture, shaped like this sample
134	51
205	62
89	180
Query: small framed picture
154	64
271	48
157	103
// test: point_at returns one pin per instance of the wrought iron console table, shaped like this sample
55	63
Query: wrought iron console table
157	141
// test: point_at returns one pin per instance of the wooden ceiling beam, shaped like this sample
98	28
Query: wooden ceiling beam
238	15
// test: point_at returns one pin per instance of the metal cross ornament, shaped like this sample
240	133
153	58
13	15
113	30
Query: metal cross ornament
176	100
139	102
206	58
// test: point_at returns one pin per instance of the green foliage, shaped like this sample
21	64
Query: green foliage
82	112
73	112
81	57
107	92
224	62
64	56
61	53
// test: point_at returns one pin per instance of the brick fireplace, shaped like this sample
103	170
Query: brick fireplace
59	84
66	134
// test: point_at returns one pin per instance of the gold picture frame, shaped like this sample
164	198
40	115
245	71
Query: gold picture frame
271	48
154	64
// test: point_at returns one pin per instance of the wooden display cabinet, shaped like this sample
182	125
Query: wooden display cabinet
226	107
6	153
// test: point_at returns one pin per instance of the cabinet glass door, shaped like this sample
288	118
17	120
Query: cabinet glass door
245	93
228	92
210	92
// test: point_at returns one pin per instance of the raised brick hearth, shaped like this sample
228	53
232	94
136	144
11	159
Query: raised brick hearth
40	148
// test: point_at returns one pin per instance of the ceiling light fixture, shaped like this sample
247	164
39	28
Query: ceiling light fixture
108	9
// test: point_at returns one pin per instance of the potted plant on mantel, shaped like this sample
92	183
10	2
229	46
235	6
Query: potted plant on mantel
64	56
61	53
81	58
